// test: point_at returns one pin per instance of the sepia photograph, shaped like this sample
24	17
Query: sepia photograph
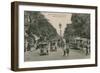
56	36
52	36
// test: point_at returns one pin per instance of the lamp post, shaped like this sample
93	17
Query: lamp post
60	35
60	29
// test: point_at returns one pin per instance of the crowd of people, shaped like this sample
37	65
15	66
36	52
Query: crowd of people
46	46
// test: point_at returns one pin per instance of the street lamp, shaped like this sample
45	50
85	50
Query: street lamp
60	28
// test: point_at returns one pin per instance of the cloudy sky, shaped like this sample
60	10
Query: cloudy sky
58	18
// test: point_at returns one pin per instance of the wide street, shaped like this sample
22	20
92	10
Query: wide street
55	55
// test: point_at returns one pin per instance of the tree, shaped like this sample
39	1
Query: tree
81	23
80	26
39	25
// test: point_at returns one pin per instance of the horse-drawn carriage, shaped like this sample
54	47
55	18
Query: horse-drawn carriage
43	47
53	45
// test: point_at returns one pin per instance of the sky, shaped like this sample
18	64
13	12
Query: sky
56	18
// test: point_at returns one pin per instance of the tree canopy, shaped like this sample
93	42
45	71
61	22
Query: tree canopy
37	24
80	26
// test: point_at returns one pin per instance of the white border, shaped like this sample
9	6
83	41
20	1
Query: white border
33	64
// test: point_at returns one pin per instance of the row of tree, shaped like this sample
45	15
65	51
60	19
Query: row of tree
37	24
80	26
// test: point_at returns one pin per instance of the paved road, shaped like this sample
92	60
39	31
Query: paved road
74	54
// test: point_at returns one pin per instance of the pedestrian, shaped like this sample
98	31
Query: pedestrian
66	49
87	49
